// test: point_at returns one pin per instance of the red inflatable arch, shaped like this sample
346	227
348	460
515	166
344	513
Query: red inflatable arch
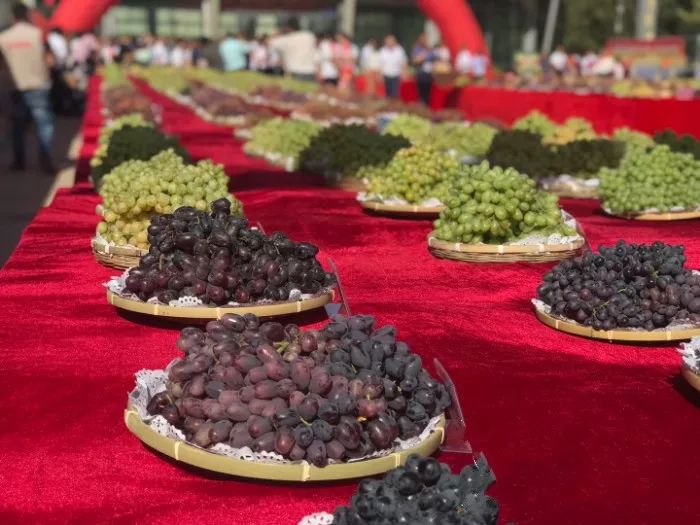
454	18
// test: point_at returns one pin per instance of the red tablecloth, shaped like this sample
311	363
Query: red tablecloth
606	112
577	431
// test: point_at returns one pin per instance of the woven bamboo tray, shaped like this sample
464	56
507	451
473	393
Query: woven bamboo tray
641	336
692	377
352	184
575	193
427	212
661	216
488	253
121	257
298	471
215	312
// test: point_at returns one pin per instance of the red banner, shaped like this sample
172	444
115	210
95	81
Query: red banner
79	15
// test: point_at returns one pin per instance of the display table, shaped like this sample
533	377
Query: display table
606	112
577	431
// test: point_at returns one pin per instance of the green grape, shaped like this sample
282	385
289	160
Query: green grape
632	138
347	149
535	122
286	138
136	189
473	140
414	128
658	178
572	129
496	206
113	75
415	174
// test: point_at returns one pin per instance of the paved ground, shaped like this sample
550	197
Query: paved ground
23	193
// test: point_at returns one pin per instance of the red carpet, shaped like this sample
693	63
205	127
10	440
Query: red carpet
577	431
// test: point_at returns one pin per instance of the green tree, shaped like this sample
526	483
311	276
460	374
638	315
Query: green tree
588	23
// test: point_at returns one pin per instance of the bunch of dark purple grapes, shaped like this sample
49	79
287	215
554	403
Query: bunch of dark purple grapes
337	393
625	286
218	258
423	492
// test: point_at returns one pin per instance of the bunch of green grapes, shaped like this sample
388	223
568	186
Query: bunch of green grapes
131	120
136	189
414	128
346	149
572	129
286	138
535	122
658	178
165	78
113	75
473	141
415	174
496	206
632	138
583	158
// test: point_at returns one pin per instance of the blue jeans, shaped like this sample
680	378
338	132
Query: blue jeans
391	86
34	104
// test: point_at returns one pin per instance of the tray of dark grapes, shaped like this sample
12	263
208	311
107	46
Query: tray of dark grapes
121	257
625	292
503	252
384	208
662	216
692	377
264	400
270	309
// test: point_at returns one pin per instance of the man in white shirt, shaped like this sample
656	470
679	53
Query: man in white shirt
159	53
59	47
393	60
463	61
297	50
558	60
24	52
588	62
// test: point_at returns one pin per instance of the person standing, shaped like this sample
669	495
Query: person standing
27	59
159	52
233	51
559	60
393	62
422	58
297	51
370	64
177	54
346	59
463	61
260	55
327	67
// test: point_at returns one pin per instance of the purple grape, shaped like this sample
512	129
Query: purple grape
284	441
316	453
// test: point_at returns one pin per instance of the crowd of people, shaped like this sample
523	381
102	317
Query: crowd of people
588	64
327	58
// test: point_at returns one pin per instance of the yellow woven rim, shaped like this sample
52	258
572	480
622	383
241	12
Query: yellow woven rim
402	209
692	377
571	327
300	471
661	216
458	247
215	312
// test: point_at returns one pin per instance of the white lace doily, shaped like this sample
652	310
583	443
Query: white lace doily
650	210
569	181
363	196
150	382
541	306
320	518
117	285
99	239
690	352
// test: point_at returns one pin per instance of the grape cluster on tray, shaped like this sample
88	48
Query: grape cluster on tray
341	392
624	286
423	492
415	175
495	206
218	258
655	179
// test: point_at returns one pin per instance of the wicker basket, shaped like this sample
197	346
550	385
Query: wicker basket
403	210
121	257
691	376
340	182
188	313
297	471
660	216
502	253
639	336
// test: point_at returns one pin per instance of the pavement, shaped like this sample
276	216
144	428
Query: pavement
22	194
